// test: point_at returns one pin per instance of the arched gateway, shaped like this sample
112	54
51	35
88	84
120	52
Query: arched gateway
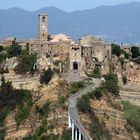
75	66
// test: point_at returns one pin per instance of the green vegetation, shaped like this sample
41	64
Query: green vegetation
116	50
96	94
83	104
132	115
2	57
46	76
66	135
1	48
135	52
124	79
95	73
14	50
26	63
44	110
10	99
2	134
24	107
111	84
76	86
97	128
136	60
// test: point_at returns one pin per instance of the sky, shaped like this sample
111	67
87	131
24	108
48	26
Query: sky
66	5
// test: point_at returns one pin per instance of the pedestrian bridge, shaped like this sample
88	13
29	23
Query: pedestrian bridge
78	130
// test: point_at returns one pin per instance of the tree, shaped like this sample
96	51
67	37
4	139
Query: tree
26	64
111	83
116	50
1	48
135	52
14	50
46	76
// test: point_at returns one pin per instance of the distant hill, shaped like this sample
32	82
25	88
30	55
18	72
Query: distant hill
119	23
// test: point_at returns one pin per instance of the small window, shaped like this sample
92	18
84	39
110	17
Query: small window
43	35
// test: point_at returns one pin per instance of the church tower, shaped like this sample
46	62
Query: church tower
43	26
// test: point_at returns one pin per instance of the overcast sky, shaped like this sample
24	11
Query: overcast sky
66	5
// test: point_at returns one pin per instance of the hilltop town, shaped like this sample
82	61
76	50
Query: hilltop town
56	88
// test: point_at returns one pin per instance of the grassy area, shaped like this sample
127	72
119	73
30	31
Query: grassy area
132	115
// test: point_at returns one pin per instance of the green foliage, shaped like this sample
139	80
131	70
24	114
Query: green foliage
11	98
26	63
132	115
83	104
2	134
76	86
126	55
116	50
97	93
98	129
66	135
95	73
62	100
14	50
2	57
1	48
124	79
24	107
111	84
135	52
136	60
43	111
46	76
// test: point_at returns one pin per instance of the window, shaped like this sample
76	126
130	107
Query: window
43	19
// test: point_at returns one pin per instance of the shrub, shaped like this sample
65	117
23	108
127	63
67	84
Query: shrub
2	134
116	50
95	73
26	64
44	110
76	86
111	83
83	104
46	76
124	79
132	115
135	51
97	93
24	107
14	50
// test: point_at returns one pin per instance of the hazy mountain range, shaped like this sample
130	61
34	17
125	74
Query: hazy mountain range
119	23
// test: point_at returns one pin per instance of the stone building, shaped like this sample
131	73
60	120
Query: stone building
90	52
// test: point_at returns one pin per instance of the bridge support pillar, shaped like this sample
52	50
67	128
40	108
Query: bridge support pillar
69	122
76	133
80	136
72	131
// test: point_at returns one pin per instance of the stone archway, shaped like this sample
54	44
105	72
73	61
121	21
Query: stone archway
75	66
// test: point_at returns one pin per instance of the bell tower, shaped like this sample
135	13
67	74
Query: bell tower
43	26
